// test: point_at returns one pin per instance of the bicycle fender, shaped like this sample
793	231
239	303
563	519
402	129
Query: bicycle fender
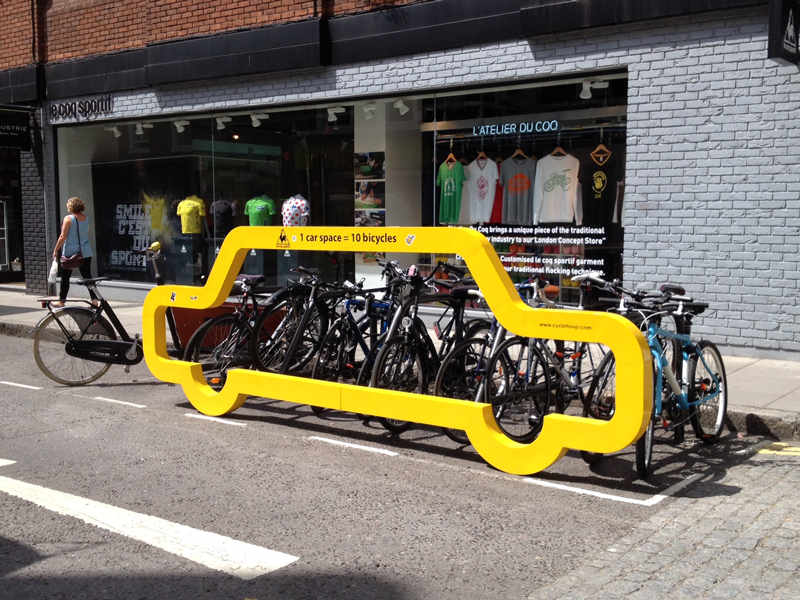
559	432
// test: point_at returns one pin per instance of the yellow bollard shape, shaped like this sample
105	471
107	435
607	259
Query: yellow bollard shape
559	432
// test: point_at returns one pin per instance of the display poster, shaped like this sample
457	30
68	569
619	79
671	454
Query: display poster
370	197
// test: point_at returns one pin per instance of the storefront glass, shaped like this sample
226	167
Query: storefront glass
487	159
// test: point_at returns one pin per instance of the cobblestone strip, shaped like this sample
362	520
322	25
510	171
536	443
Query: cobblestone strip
735	535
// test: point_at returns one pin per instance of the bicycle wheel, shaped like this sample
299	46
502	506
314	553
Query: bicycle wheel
708	417
49	346
398	367
644	445
460	376
336	356
222	343
518	387
600	401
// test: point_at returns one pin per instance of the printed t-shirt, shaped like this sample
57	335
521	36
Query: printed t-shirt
482	178
517	175
450	179
599	175
191	210
260	210
557	191
295	212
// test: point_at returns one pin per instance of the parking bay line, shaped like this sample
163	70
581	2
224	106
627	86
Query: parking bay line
356	446
216	419
652	501
22	385
246	561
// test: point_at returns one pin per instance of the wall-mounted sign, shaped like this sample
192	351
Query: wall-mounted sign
516	128
784	27
15	130
103	105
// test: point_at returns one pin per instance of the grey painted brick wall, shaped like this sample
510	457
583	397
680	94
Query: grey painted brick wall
713	163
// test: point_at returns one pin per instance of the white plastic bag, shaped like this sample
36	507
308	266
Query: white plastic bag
51	278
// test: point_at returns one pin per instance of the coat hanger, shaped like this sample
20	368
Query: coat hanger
451	159
481	154
519	152
558	151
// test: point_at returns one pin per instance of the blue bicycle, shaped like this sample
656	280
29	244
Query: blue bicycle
689	377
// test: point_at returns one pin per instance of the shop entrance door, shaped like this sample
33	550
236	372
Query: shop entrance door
11	257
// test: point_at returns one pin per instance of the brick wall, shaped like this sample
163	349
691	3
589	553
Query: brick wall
34	221
77	28
713	164
16	50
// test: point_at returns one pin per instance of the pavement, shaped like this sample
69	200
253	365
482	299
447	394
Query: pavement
763	395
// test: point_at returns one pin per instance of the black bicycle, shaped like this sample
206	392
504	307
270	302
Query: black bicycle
76	345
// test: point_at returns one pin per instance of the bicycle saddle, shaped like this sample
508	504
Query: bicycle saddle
462	292
251	280
672	288
91	280
306	271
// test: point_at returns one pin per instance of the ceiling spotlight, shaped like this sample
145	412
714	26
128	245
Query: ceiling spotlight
586	91
370	110
180	126
257	118
221	122
115	130
401	106
333	111
140	127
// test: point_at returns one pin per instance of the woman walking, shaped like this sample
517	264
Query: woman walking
74	238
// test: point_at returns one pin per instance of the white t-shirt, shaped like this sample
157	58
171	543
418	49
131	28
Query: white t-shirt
482	176
556	191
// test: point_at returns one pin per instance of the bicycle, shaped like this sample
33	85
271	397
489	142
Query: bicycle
690	383
76	345
223	342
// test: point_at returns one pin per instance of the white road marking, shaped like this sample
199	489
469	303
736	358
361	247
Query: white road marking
119	402
5	463
215	551
22	385
356	446
649	502
216	419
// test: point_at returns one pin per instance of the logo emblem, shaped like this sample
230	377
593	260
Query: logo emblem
283	240
410	239
790	36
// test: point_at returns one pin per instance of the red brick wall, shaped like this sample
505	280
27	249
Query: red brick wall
16	49
86	27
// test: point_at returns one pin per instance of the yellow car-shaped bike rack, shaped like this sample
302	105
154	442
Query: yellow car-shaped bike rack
559	432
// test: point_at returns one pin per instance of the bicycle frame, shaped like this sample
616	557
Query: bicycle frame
663	368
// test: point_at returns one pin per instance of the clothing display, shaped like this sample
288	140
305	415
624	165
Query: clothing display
599	174
451	178
295	212
224	212
260	210
482	175
557	192
517	175
497	205
191	211
156	210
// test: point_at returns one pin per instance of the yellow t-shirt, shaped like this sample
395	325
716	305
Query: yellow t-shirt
156	210
191	211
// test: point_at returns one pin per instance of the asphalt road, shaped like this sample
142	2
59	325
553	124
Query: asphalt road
401	517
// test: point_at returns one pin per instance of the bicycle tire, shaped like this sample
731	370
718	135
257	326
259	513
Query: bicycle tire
333	357
49	341
222	343
600	401
520	398
398	367
460	375
708	418
644	445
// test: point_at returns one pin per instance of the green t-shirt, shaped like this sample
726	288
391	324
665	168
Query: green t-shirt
450	179
260	210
